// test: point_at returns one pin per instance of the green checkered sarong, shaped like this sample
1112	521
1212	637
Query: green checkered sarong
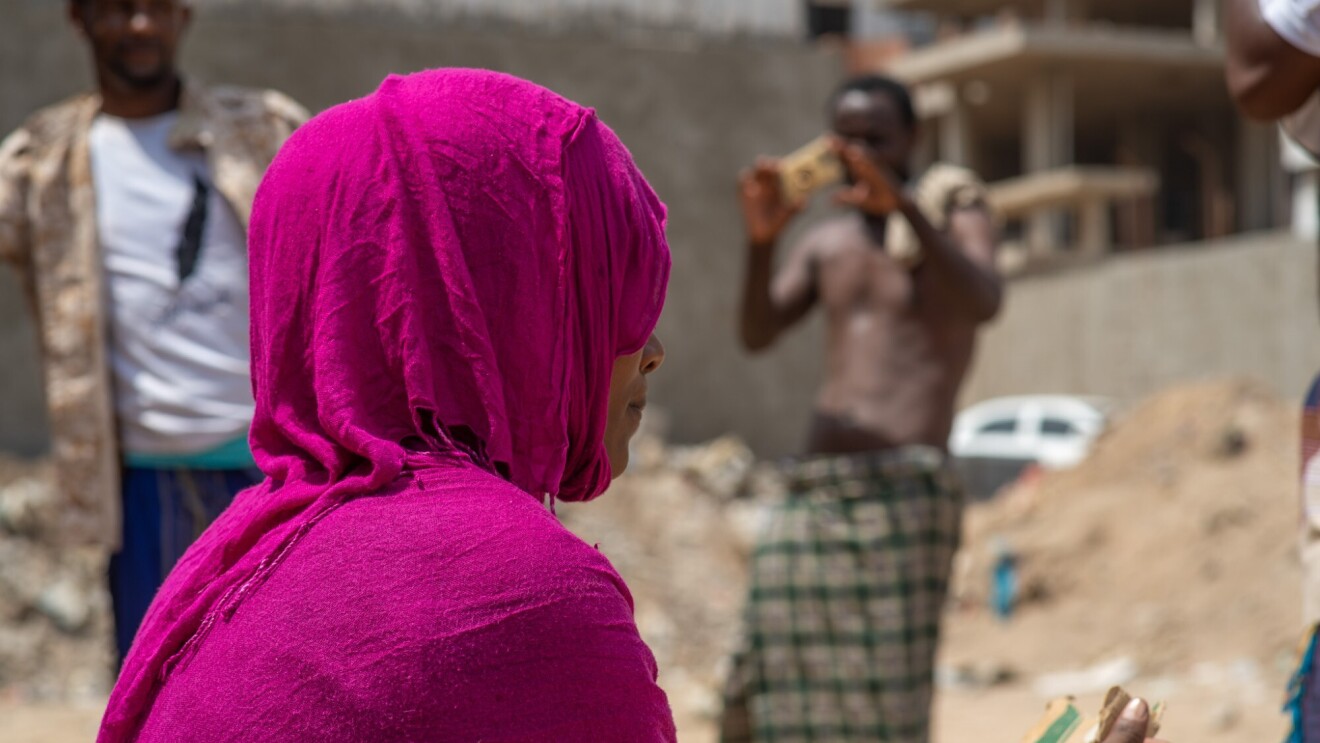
847	587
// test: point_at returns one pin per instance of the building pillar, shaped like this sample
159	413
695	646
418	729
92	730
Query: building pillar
1047	143
1218	208
1094	235
955	135
1061	12
1205	22
1258	157
1138	146
924	154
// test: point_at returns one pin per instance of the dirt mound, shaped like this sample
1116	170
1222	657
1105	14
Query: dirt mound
1172	545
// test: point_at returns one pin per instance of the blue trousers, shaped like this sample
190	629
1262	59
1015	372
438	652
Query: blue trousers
165	510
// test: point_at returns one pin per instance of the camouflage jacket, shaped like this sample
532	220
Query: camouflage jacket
48	232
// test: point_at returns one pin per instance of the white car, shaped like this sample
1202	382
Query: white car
995	440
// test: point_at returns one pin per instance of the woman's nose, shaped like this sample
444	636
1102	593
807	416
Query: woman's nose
653	356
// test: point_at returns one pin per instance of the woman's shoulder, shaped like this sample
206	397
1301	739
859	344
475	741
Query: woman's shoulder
426	562
464	585
460	532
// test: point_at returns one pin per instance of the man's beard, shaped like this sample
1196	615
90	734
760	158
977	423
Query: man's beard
139	80
145	82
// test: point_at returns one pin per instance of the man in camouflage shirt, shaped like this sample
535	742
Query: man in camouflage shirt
125	214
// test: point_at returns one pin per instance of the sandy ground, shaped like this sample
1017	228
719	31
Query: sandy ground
1165	563
48	723
999	715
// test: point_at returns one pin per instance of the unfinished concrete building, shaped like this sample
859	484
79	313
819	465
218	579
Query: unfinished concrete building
1103	126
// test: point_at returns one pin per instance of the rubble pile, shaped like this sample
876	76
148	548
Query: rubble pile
55	627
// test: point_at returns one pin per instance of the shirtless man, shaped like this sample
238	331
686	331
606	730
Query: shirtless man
849	580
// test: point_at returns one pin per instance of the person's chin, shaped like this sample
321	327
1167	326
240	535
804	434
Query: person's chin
617	470
619	456
144	76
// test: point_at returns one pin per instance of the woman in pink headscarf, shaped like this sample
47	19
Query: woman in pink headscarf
455	281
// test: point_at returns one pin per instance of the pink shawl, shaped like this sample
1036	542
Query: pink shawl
446	267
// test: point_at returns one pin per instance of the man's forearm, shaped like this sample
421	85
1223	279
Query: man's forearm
1267	76
1249	51
759	317
976	290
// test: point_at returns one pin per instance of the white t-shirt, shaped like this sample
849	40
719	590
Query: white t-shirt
175	258
1297	21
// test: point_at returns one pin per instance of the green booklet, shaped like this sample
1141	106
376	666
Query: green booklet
1063	722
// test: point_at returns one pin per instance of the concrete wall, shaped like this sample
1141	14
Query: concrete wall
693	113
705	17
1135	324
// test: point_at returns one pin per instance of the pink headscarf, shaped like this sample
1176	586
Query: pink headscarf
450	264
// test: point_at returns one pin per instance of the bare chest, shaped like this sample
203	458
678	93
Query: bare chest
858	276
